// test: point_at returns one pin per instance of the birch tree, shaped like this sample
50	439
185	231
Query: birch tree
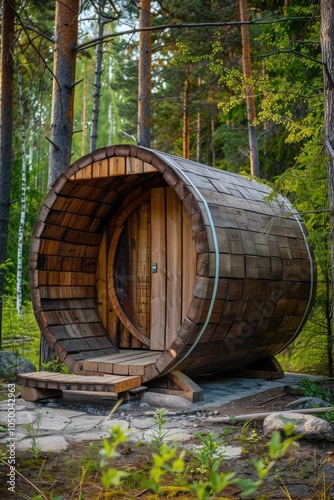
23	197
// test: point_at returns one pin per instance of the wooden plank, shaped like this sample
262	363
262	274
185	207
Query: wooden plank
83	173
76	316
60	381
116	166
174	265
65	278
143	285
56	305
101	282
100	168
158	279
149	168
134	165
130	301
78	331
105	364
86	344
189	263
67	292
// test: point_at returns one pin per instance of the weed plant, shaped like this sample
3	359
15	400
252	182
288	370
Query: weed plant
314	389
171	461
32	429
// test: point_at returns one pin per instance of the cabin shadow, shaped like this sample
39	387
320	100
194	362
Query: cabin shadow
149	271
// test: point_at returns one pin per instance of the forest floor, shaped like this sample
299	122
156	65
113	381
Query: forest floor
305	472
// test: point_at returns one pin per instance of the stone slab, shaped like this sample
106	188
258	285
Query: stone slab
54	444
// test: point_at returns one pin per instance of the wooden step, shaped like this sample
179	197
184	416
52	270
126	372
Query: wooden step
125	362
64	382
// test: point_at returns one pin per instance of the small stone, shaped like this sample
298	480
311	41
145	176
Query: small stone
143	405
145	423
165	400
309	426
107	424
309	402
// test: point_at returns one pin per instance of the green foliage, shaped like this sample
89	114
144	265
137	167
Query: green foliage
248	433
328	416
159	434
210	453
165	461
55	365
32	429
112	477
312	388
170	461
21	334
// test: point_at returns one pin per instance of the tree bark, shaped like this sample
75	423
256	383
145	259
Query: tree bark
327	50
23	197
64	62
250	99
66	33
97	79
186	119
144	76
6	133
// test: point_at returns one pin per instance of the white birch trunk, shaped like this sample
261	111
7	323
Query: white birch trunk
23	198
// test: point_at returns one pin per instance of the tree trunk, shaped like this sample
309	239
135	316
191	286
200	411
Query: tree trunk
66	32
23	197
84	112
250	100
144	76
97	80
186	119
327	50
328	315
6	133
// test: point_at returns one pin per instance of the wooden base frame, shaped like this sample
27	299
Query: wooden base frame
267	368
177	383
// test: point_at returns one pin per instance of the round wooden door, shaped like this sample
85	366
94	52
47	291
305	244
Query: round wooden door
154	272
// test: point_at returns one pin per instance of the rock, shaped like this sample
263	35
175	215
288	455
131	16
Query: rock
54	444
11	365
309	426
309	402
159	400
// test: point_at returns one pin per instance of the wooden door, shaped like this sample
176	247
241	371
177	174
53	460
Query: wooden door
154	271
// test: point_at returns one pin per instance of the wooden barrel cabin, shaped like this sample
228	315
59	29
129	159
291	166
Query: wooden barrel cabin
143	263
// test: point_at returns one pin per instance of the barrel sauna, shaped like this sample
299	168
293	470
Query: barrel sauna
143	263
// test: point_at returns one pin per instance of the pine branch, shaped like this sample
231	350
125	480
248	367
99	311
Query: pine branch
163	27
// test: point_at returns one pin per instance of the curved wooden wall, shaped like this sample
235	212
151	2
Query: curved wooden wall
244	288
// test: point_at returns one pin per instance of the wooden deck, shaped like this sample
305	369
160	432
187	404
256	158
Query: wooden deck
126	362
64	382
